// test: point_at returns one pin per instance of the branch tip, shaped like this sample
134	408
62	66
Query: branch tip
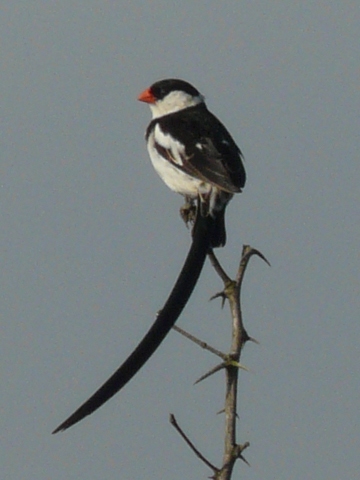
249	251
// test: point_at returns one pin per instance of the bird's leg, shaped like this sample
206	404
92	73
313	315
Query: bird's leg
188	211
204	203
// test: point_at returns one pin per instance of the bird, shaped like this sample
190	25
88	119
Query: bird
192	151
195	156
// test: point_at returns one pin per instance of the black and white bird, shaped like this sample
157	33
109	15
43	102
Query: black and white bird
195	156
192	151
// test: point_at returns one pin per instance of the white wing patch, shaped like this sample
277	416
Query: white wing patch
165	140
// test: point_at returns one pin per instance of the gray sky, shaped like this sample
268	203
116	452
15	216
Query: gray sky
91	239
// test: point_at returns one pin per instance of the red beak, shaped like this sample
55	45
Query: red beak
146	96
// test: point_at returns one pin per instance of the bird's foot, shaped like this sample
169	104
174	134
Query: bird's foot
188	212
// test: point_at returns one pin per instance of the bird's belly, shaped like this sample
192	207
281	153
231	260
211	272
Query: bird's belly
176	179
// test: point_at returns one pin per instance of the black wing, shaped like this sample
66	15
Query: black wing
210	152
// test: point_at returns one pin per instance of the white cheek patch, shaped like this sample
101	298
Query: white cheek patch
176	148
173	102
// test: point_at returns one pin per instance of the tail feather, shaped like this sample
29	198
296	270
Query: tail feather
218	238
181	292
213	204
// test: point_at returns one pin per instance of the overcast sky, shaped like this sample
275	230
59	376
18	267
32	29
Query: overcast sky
91	239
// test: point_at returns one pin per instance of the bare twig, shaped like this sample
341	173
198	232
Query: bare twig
191	445
218	268
201	344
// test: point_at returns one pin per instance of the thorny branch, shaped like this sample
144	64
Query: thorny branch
231	364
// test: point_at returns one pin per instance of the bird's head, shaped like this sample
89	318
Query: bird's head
169	96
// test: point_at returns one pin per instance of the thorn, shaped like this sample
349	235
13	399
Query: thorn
244	460
211	372
221	295
238	449
247	338
259	254
217	295
226	293
234	363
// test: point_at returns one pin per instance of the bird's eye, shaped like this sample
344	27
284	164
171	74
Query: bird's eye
161	93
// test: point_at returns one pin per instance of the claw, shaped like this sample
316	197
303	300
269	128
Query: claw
188	212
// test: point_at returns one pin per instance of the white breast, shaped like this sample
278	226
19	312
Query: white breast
174	177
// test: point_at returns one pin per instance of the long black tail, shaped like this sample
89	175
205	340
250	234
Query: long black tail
166	318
